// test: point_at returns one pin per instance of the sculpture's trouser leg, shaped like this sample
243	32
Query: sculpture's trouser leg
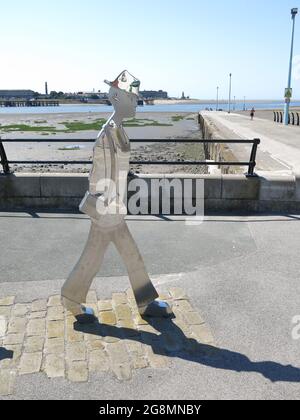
78	283
143	289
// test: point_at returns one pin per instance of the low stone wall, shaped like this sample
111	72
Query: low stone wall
222	193
217	152
226	193
60	191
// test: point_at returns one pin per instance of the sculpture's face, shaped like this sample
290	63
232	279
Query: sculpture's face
127	82
124	103
123	94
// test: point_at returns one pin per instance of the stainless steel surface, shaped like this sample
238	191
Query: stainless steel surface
105	204
157	309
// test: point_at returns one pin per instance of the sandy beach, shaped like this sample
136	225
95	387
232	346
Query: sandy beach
86	126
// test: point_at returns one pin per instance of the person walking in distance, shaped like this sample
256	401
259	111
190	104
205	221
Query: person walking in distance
252	114
105	204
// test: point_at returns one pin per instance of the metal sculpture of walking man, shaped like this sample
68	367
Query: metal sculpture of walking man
105	204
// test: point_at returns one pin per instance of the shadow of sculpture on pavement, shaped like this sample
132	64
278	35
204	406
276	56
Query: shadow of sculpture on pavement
6	354
170	341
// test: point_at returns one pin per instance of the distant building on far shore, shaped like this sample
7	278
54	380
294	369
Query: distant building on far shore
86	96
17	94
154	94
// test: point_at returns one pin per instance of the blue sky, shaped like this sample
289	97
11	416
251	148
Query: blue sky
174	45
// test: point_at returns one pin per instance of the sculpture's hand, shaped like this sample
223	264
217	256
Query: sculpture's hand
103	213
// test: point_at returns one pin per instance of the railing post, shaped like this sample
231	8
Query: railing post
252	162
274	116
3	157
281	117
298	119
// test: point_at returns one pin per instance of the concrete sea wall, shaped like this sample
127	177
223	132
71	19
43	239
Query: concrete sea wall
214	151
222	193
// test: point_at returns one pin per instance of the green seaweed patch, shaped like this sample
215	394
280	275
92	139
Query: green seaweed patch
144	122
25	128
82	126
176	118
74	126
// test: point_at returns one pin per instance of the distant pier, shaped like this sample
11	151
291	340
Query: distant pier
26	103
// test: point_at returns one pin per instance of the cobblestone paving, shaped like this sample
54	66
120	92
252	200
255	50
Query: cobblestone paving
42	337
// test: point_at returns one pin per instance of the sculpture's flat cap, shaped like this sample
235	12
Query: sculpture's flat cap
127	82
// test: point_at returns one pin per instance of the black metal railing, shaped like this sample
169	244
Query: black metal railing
294	117
250	164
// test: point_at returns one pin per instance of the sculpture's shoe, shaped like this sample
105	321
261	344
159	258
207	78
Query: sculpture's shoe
156	309
82	314
87	316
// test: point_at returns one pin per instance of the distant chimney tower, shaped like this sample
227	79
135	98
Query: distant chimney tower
46	88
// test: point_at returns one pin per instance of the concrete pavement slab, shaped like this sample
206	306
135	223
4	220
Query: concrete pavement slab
241	275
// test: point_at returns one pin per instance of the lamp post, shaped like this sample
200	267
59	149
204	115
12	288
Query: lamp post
288	92
229	101
217	105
